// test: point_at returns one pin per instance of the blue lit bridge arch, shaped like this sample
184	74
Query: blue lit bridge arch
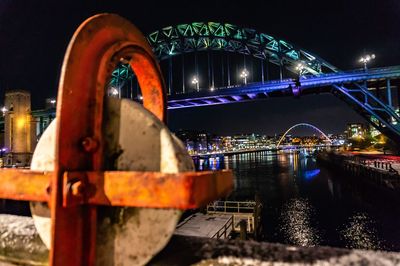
204	65
203	38
303	125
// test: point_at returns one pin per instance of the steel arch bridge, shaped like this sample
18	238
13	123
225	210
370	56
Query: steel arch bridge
202	36
302	125
352	87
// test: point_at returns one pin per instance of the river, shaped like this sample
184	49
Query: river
307	204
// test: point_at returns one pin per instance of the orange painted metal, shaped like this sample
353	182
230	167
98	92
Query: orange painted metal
25	185
186	190
96	48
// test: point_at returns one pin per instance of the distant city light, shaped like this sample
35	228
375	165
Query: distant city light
244	74
140	97
52	101
212	89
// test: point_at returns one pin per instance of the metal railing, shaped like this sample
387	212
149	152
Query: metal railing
240	210
224	231
231	207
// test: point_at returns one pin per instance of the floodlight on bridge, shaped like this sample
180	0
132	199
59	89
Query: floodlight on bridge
195	81
365	59
244	74
300	67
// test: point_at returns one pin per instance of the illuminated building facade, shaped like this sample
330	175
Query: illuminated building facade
19	138
21	127
356	131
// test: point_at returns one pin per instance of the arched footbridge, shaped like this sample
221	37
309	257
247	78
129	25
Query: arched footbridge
303	125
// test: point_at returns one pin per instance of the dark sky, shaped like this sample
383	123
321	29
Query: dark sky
34	36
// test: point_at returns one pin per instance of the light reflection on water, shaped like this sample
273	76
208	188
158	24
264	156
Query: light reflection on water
360	233
306	204
295	223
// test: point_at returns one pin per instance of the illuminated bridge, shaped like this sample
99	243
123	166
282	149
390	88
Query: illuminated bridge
219	63
303	125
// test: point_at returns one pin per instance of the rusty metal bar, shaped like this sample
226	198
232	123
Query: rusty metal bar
156	190
25	185
98	45
121	188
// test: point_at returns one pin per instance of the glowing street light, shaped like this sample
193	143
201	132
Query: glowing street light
365	59
4	110
212	89
244	75
195	81
114	91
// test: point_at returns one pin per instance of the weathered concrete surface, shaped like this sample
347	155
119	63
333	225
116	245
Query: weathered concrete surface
202	225
20	242
202	251
21	245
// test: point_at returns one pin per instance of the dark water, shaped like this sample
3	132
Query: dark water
306	204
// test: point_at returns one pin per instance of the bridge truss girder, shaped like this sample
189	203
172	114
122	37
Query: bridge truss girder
382	116
377	113
203	36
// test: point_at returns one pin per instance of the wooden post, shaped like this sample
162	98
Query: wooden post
243	229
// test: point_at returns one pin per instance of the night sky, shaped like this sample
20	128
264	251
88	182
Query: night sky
35	34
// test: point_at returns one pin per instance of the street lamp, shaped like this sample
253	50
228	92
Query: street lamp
114	91
195	81
4	110
365	59
244	75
